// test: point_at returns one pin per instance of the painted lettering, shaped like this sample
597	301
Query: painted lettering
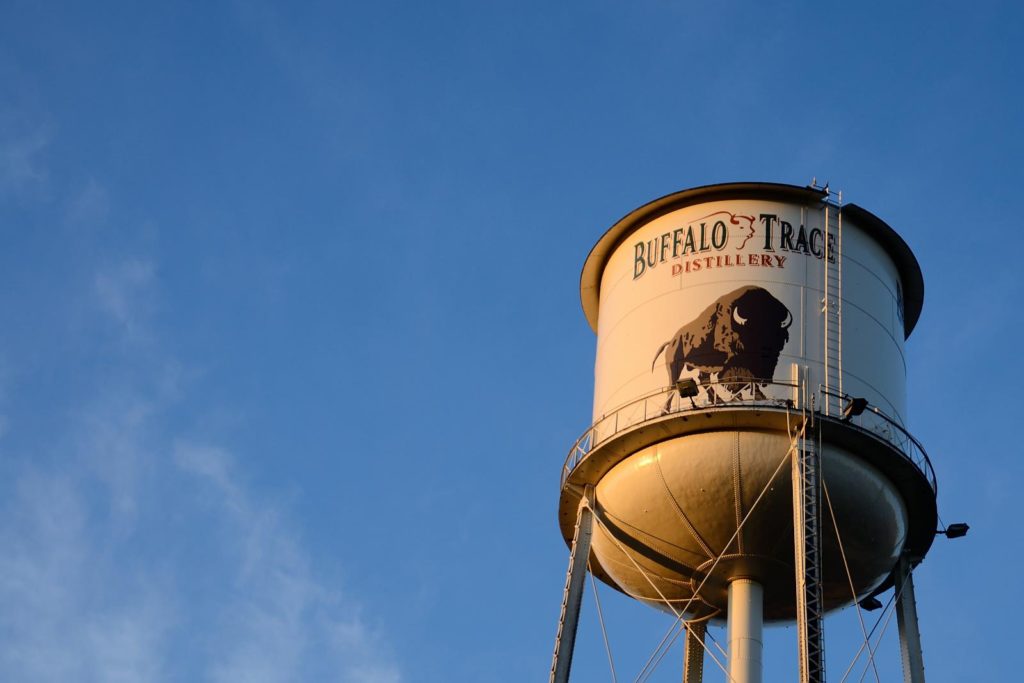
719	234
786	238
768	219
801	241
815	242
688	247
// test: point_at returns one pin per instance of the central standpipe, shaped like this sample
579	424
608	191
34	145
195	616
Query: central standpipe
746	620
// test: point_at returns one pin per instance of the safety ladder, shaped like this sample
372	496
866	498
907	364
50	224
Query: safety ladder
832	302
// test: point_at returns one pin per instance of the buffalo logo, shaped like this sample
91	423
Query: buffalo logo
738	339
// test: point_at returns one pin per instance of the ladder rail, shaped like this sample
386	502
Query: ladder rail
832	302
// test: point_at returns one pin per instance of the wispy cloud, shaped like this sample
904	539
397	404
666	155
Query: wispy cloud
21	146
285	624
69	612
89	205
99	567
124	292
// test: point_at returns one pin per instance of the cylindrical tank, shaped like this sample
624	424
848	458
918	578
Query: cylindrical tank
726	316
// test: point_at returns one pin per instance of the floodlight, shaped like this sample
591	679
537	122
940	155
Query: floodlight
687	387
957	530
855	407
870	603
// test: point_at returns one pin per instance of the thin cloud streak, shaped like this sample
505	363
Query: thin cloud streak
123	293
281	614
21	170
69	612
100	525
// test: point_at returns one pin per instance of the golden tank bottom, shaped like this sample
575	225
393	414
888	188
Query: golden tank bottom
678	520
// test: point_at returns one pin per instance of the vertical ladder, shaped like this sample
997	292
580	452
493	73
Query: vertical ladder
832	302
807	552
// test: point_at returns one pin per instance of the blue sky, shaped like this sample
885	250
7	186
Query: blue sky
292	350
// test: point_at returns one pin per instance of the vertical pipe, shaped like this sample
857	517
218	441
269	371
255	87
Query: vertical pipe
746	619
906	620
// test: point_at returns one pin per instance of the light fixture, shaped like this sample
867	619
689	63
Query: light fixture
687	387
870	603
855	407
957	530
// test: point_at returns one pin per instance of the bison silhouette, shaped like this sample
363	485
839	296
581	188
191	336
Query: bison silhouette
738	338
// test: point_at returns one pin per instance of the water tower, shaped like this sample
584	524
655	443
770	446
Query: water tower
748	459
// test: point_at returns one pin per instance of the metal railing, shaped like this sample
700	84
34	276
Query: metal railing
881	425
667	401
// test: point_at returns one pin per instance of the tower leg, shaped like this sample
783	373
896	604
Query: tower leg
572	596
906	619
746	619
693	660
807	556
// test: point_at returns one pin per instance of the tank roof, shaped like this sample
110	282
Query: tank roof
906	263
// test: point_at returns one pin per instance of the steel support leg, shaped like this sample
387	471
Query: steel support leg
906	619
807	556
693	660
572	596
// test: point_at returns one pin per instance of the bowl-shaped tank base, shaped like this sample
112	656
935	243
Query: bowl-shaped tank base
679	520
